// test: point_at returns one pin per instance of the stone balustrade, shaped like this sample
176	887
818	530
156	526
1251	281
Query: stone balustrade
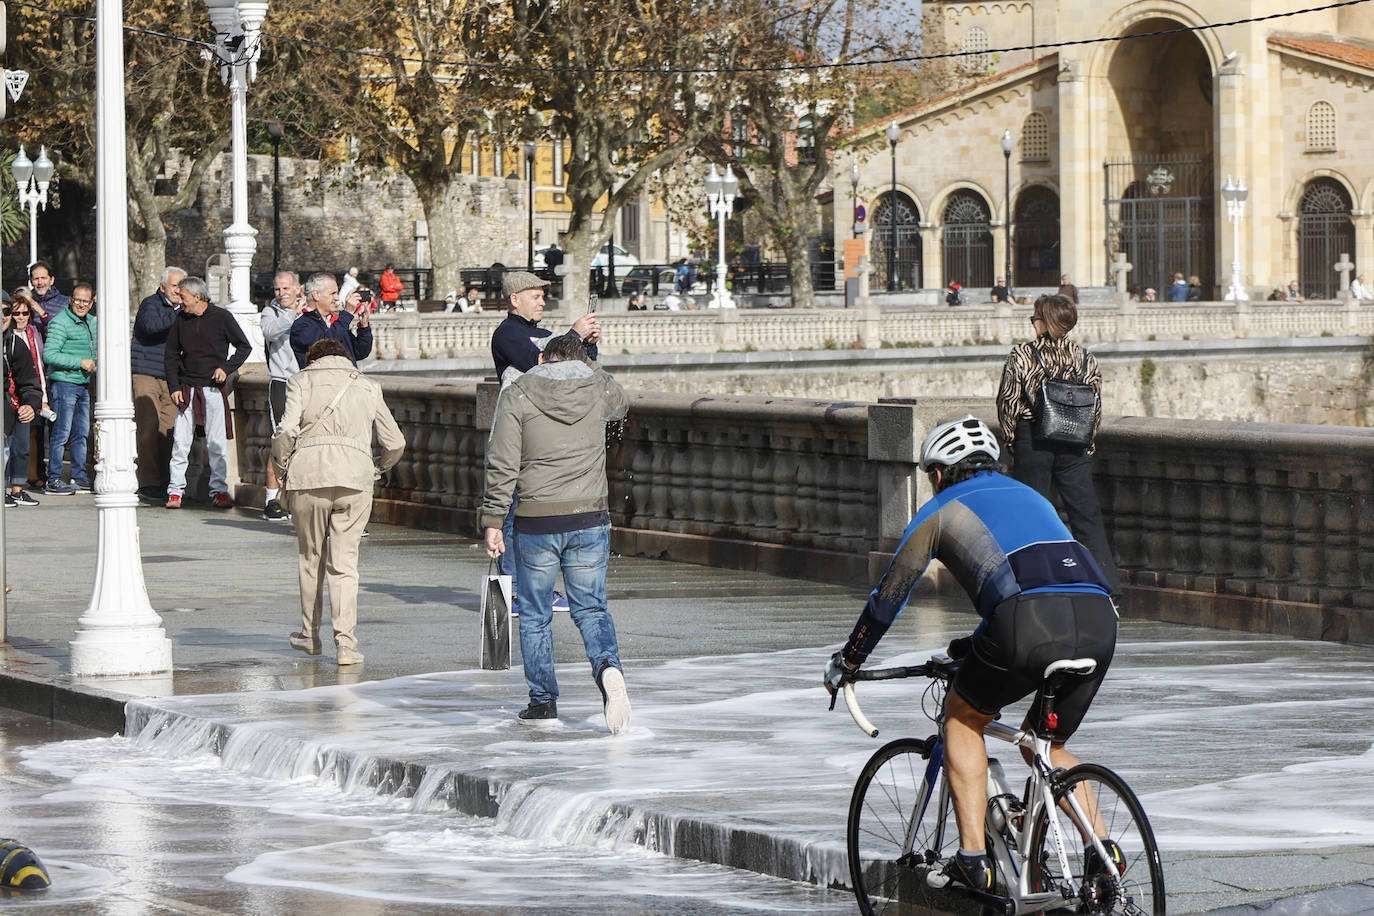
408	335
1256	526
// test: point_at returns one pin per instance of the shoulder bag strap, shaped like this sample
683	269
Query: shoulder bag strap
352	377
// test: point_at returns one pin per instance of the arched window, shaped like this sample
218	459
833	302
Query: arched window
1035	138
906	257
976	46
1325	233
1321	127
1035	238
967	246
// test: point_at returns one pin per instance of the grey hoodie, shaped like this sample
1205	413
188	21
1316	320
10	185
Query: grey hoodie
548	441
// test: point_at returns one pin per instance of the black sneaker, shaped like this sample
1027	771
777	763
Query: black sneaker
22	498
10	501
615	699
82	486
58	488
273	511
539	711
1092	862
973	873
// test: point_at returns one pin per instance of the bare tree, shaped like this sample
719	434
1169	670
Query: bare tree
623	83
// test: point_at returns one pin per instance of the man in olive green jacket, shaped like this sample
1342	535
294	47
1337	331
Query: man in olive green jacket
322	452
548	441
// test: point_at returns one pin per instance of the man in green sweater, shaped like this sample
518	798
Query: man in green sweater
70	355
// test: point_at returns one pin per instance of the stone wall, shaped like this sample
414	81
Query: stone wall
1264	527
338	218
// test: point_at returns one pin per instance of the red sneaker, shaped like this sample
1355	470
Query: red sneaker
221	501
174	501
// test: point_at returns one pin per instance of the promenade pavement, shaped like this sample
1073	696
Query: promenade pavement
1247	751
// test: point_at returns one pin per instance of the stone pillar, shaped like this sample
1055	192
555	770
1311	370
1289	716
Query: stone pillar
727	328
931	260
1077	170
408	334
894	442
484	413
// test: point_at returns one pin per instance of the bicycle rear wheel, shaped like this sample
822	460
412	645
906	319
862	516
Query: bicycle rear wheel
901	824
1140	888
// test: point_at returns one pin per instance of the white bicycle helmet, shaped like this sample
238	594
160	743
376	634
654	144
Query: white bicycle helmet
952	442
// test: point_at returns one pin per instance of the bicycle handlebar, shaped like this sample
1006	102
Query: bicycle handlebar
939	667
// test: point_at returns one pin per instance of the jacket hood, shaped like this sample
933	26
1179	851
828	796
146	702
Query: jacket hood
565	391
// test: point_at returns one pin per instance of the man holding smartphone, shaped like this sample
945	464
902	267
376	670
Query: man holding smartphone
276	319
323	318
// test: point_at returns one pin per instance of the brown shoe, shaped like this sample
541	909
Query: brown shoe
349	656
310	645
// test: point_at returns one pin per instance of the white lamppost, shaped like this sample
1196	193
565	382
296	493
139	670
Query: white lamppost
720	199
1234	193
32	179
120	635
237	46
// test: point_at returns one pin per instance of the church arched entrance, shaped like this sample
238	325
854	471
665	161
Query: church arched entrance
907	261
1158	170
1035	238
1325	232
967	244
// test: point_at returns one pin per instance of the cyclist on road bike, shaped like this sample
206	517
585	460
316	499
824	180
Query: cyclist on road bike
1040	594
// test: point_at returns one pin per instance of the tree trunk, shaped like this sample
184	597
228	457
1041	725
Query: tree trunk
797	250
147	234
442	199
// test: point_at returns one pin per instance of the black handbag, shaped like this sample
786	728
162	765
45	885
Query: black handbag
1064	410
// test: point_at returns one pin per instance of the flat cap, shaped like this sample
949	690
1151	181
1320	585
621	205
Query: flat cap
517	281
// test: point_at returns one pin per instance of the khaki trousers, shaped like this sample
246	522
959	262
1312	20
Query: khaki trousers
154	417
329	528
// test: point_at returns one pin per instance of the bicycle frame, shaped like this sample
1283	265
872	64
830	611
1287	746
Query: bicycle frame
1010	842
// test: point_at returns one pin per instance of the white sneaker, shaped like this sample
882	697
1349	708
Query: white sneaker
616	699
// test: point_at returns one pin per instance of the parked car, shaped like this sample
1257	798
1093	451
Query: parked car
624	261
641	279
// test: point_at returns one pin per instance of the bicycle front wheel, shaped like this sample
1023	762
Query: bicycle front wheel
1099	797
901	825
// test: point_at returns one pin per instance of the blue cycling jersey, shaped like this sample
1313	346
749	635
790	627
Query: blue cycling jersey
998	538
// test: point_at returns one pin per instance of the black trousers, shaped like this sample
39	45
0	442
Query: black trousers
1071	473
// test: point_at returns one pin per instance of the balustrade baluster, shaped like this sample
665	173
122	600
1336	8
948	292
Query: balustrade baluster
785	471
1339	538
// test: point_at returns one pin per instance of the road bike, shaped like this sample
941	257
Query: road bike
1049	845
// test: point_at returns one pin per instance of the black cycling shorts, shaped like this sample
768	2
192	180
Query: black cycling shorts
1022	636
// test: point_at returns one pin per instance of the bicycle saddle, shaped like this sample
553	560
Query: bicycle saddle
1078	666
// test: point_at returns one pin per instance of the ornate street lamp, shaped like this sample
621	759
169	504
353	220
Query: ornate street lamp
1007	144
893	132
120	635
529	174
720	199
32	179
1234	193
237	47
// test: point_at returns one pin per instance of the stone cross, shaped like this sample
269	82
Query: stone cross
1119	269
1345	267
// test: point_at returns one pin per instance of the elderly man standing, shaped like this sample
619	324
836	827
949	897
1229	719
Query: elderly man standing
276	319
154	412
70	354
323	317
198	364
322	451
548	443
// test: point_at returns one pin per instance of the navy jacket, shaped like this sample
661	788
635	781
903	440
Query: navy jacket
149	347
513	344
311	327
998	538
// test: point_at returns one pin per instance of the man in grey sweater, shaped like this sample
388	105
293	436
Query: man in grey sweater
548	442
276	319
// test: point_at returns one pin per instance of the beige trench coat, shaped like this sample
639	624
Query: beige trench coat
310	452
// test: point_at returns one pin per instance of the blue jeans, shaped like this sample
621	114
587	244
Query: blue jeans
505	564
17	455
582	556
72	404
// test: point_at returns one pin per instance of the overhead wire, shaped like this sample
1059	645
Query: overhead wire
443	62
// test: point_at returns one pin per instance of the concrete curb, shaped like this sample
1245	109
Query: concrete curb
85	706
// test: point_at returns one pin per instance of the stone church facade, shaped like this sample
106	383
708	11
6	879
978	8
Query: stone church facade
1120	146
